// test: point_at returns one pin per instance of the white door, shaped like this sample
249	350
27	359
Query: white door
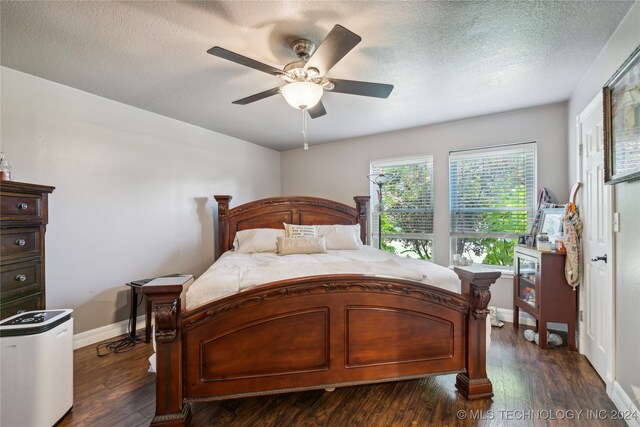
596	310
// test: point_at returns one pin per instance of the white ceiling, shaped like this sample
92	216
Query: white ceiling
447	60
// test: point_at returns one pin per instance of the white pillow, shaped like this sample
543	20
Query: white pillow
341	236
293	230
258	240
301	245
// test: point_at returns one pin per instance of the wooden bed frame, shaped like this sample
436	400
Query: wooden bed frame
314	332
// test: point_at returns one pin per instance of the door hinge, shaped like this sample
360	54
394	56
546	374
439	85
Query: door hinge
616	222
581	316
580	149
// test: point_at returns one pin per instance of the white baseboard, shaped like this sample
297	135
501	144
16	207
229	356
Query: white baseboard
624	404
506	315
104	332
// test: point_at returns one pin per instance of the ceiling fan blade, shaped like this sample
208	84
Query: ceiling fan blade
243	60
257	96
317	110
333	48
352	87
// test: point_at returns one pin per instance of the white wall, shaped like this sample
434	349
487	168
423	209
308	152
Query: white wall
133	194
627	245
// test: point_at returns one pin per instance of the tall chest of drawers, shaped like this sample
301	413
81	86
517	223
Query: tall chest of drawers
23	221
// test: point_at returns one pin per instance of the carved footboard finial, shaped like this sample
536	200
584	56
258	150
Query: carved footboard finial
482	298
476	281
167	321
168	299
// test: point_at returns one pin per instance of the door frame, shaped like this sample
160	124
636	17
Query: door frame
596	103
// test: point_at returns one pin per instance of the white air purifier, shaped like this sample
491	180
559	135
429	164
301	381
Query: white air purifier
36	354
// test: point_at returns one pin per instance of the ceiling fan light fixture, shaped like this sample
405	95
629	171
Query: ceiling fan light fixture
302	95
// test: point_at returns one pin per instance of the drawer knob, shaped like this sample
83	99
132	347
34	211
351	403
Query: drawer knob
22	206
21	242
21	277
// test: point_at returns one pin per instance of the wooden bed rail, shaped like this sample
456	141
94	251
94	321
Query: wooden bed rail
476	281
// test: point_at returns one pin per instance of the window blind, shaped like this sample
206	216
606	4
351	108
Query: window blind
492	192
407	199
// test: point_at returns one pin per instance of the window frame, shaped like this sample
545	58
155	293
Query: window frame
392	162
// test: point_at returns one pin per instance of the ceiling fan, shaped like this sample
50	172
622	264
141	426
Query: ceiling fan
306	78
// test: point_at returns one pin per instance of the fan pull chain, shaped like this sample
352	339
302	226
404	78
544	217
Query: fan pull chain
304	129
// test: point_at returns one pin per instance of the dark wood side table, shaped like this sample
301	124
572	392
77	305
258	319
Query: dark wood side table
541	290
136	288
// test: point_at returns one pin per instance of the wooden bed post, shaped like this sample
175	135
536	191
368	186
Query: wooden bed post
476	281
223	223
169	303
362	203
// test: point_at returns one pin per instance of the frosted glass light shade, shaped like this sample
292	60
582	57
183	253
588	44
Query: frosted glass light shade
302	95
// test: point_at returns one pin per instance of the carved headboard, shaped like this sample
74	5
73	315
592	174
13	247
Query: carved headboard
274	211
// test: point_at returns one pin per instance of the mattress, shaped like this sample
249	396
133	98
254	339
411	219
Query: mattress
236	272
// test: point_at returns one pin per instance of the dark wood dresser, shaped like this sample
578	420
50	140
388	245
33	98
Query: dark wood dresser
23	221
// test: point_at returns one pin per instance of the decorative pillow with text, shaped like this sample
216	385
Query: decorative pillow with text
293	230
301	245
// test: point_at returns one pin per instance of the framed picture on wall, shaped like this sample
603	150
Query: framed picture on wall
621	98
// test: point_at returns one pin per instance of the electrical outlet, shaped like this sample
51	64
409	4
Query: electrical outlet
616	222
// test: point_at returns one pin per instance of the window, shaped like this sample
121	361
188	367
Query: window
492	200
407	200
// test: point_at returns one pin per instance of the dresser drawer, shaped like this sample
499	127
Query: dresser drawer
20	242
19	279
21	207
29	303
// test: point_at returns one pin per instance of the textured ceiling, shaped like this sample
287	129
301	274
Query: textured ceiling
447	60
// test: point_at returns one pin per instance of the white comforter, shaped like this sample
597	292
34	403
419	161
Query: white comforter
235	272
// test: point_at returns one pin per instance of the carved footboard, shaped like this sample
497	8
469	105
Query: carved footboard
476	281
318	332
169	302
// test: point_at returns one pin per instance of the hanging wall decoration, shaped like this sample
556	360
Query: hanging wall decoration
621	99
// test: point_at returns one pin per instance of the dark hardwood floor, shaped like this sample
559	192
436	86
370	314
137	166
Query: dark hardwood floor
532	387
